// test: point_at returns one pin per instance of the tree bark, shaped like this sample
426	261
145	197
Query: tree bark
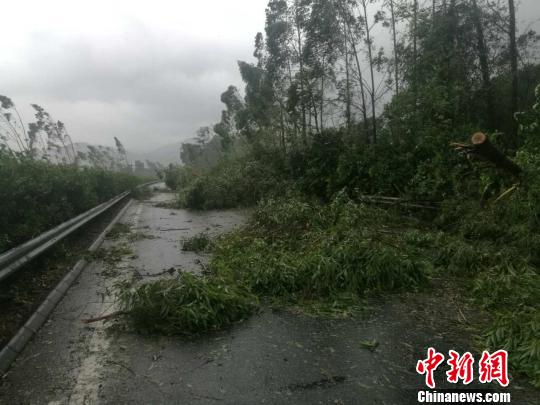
301	61
394	39
484	64
360	78
483	148
347	84
513	141
370	56
322	101
415	58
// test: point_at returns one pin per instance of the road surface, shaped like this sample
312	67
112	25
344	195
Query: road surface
276	357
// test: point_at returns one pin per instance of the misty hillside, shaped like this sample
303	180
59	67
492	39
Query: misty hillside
164	154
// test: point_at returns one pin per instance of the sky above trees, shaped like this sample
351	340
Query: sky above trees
149	73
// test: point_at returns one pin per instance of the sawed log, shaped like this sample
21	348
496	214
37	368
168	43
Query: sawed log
483	148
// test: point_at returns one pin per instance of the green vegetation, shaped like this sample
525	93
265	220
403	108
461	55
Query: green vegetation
237	183
37	195
118	230
306	144
187	305
300	251
197	243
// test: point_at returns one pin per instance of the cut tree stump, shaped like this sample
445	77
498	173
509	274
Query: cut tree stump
483	148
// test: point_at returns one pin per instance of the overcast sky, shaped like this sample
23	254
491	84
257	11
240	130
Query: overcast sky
148	72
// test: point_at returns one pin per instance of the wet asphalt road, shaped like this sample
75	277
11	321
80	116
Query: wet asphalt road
276	357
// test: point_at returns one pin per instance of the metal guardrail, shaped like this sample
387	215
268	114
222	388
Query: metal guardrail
17	343
14	259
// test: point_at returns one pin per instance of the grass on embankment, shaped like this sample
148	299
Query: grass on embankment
36	195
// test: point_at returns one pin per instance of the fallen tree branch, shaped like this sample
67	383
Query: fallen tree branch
169	271
397	201
105	317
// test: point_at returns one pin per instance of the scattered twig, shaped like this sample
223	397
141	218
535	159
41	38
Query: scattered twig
161	273
397	201
117	363
507	192
105	317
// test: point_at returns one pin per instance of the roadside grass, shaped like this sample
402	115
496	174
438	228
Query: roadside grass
118	230
111	255
197	243
496	250
167	204
37	195
142	193
125	231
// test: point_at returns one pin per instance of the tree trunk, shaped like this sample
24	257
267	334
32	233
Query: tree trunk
348	94
415	57
301	61
484	64
394	39
294	115
360	79
513	141
315	114
370	56
485	149
282	129
322	101
347	85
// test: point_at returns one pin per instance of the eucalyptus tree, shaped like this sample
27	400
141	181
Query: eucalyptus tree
483	56
322	50
346	90
369	45
513	55
415	54
256	115
391	5
258	53
226	129
278	74
354	34
299	16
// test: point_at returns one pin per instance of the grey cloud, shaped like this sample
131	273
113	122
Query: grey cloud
143	82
